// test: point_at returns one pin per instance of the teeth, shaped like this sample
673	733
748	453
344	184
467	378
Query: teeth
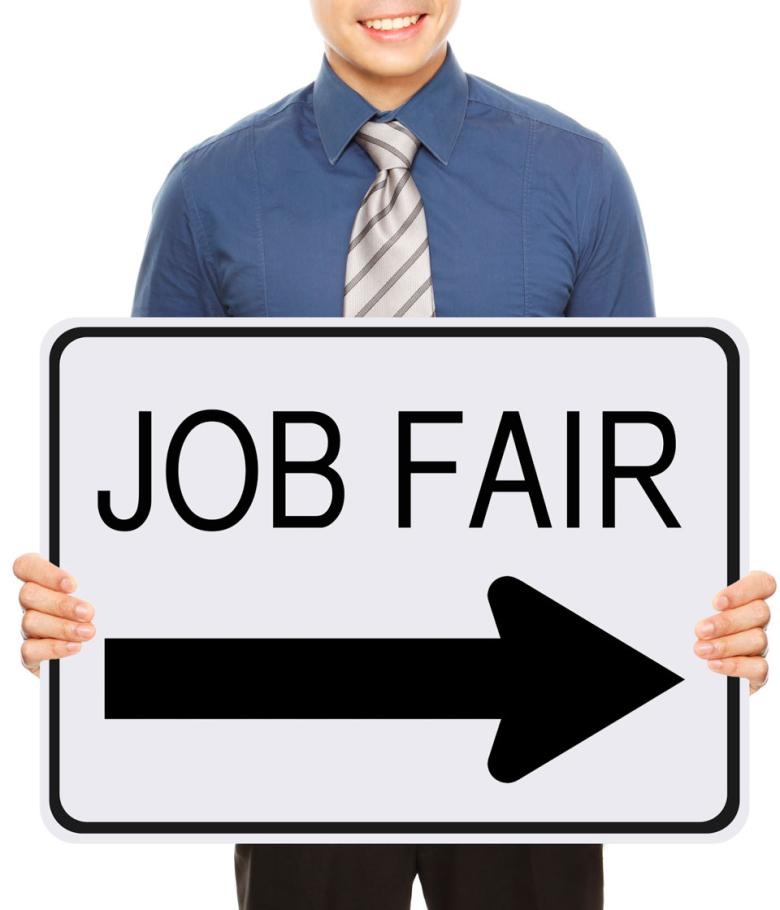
390	24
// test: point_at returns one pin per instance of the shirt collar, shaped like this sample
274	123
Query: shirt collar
434	113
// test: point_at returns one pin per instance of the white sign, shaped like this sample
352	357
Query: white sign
394	580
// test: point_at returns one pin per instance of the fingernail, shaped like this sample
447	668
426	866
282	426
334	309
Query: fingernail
68	584
81	611
704	648
716	664
705	628
84	631
72	646
722	602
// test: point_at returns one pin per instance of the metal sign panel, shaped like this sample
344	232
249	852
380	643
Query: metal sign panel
394	580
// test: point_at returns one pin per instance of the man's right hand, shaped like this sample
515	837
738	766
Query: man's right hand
54	623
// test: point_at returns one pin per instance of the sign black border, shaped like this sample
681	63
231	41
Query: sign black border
731	807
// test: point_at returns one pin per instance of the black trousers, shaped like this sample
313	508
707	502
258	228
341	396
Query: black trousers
453	876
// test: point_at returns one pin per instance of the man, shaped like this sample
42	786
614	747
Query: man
396	184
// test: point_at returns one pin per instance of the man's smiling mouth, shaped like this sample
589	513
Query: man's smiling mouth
393	23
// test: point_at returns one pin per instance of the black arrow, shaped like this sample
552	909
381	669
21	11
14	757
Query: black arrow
553	678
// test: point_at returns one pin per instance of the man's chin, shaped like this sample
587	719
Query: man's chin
390	63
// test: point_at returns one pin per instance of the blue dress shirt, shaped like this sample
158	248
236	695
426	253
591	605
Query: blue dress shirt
528	212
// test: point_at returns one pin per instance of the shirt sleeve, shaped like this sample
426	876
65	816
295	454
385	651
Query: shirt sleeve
613	270
175	277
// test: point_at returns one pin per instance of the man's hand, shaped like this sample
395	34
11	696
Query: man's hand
54	623
734	641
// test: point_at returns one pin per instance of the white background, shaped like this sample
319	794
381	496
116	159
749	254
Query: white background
100	99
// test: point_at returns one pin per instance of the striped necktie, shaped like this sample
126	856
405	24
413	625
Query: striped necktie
388	267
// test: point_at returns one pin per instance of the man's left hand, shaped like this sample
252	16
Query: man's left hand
734	640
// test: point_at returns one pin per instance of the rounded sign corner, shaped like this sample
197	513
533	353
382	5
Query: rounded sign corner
58	337
58	820
729	339
730	820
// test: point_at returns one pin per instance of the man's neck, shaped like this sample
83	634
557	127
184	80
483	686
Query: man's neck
385	93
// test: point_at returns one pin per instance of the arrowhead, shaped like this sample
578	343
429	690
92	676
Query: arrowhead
579	679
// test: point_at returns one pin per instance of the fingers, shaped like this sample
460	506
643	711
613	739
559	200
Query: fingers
749	643
42	625
54	623
35	650
753	586
33	567
33	596
755	669
734	640
736	619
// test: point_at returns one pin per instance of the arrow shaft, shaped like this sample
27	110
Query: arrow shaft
297	678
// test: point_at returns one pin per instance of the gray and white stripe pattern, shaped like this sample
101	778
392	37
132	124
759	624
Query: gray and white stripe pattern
388	266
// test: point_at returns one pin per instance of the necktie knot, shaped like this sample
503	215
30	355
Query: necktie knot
388	144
